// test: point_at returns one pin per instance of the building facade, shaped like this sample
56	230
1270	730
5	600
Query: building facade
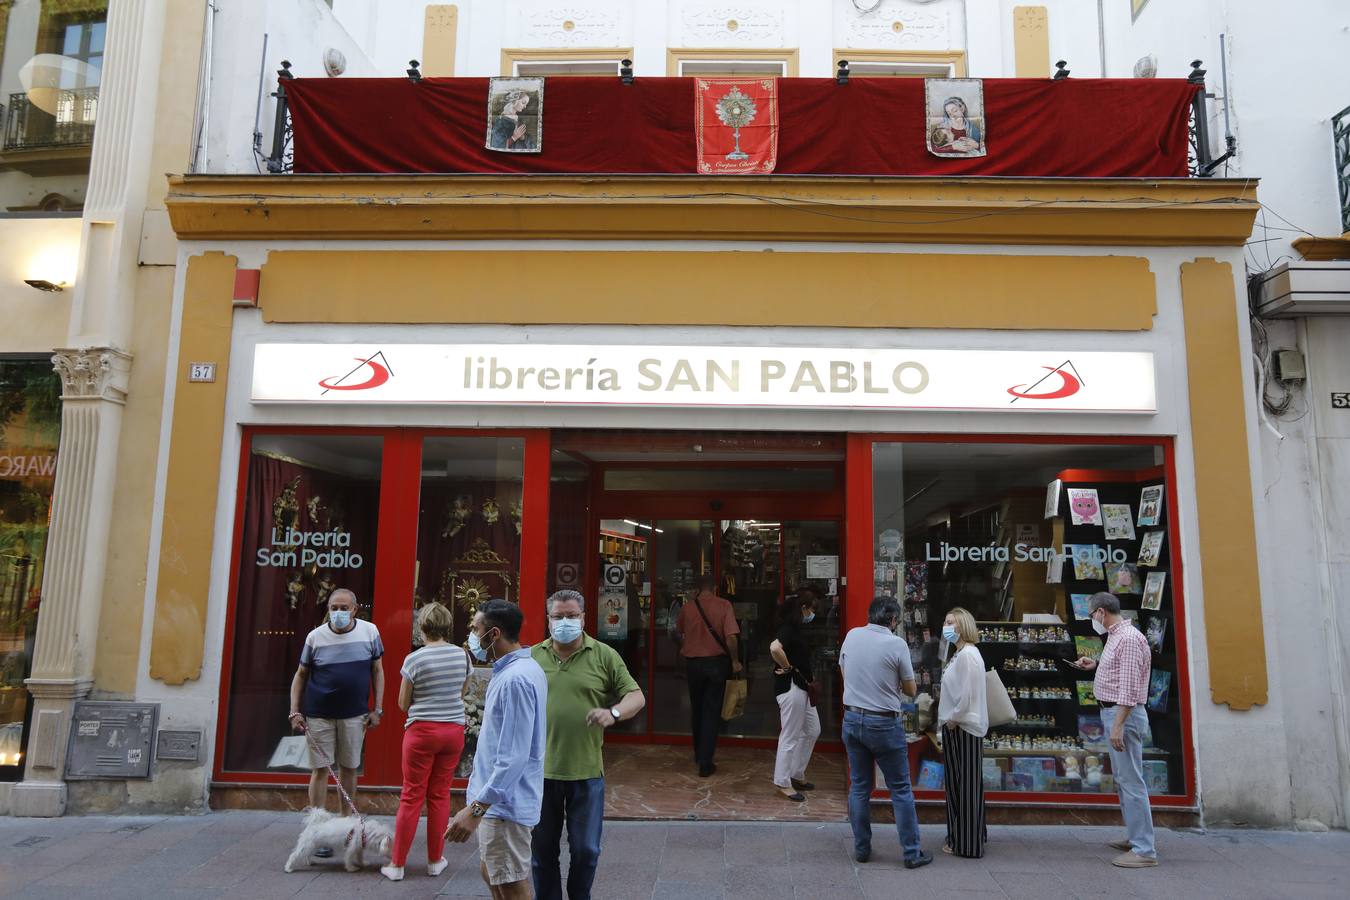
473	385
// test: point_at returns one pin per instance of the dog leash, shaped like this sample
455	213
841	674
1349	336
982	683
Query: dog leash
314	748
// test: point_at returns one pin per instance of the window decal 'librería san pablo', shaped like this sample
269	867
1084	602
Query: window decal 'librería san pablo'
829	377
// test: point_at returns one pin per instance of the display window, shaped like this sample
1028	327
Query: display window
1021	534
30	429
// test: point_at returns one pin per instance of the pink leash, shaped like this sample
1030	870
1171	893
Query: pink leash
314	748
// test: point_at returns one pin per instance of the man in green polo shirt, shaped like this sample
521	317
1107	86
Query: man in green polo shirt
589	689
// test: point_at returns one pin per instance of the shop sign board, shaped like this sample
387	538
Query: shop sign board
613	611
1060	379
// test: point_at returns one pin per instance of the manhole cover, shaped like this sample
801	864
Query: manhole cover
34	840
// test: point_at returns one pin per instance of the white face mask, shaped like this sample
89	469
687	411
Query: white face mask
1098	627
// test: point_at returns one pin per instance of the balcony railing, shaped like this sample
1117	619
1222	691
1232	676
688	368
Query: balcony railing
1340	135
30	127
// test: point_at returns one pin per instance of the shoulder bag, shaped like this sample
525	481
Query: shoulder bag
733	697
998	705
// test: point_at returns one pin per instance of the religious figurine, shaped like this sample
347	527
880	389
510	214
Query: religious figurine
1093	778
459	517
517	514
492	513
295	587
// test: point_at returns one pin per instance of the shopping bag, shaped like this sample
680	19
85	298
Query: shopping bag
733	700
997	702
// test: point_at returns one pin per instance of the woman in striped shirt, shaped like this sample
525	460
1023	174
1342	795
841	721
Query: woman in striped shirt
432	695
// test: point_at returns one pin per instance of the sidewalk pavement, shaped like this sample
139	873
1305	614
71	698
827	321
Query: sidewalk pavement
240	854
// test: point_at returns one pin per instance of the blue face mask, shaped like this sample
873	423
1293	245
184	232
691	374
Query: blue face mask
808	618
949	632
477	647
565	631
340	619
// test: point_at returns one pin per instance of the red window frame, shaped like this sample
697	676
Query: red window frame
860	560
395	553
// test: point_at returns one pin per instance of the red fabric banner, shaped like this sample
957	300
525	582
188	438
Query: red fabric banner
736	124
1076	127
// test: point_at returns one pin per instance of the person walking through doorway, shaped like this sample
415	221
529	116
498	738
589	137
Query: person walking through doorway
876	669
507	784
330	695
589	689
794	688
707	632
432	694
963	717
1121	689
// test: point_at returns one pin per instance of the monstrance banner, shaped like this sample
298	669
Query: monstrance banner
736	122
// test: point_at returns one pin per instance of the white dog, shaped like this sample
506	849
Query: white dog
353	838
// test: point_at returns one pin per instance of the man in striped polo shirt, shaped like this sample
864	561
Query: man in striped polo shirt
331	690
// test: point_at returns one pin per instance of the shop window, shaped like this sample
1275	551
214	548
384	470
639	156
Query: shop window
310	521
51	62
1022	535
783	478
30	427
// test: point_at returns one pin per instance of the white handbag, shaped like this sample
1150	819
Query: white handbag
997	703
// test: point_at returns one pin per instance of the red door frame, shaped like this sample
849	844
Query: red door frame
861	547
395	569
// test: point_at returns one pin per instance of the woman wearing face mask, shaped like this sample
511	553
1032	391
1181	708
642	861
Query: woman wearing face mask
964	719
432	695
794	686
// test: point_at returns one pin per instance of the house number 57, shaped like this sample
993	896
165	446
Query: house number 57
1340	400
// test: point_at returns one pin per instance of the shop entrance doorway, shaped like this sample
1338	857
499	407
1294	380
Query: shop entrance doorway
762	514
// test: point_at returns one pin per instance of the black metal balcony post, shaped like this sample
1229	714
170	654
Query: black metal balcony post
281	159
1199	136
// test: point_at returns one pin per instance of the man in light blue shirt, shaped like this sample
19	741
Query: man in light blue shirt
507	785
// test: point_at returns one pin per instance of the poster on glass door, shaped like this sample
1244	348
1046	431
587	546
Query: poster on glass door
612	613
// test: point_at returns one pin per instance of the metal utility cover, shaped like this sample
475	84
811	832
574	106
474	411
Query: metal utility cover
111	739
181	745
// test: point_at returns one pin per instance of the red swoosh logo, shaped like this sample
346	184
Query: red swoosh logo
378	376
1068	387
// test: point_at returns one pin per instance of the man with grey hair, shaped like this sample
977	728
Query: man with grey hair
1121	689
589	689
331	691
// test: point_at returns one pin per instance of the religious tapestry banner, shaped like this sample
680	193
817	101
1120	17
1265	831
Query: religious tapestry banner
736	123
954	110
515	115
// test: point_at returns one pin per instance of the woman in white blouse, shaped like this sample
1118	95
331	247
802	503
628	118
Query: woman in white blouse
964	719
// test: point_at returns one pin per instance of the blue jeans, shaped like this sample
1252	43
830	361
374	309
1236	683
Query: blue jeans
1128	768
879	741
582	805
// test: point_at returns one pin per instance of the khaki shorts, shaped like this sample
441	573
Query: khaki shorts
504	848
345	736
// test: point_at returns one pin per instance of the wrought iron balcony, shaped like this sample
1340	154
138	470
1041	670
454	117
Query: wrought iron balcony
30	127
1340	135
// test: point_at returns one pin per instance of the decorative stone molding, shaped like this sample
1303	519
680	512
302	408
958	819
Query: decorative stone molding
93	373
732	25
894	25
558	25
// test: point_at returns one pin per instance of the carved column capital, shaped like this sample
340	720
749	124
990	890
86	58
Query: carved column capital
93	373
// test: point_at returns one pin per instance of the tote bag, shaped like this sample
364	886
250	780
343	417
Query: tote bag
997	702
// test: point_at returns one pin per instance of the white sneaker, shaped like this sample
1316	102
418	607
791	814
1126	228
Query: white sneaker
436	868
393	873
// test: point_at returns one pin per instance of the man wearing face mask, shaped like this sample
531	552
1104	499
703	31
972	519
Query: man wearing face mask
507	782
589	689
1121	689
331	692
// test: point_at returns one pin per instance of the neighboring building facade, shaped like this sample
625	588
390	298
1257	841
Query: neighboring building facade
422	499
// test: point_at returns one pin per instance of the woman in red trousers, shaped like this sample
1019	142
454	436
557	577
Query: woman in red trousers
432	694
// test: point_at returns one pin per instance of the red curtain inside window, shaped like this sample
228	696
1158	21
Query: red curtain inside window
269	631
1093	128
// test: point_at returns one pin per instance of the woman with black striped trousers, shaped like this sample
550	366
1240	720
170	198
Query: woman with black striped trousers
964	720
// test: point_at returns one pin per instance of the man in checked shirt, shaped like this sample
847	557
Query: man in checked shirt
1121	688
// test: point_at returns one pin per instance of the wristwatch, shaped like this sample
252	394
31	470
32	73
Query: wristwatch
615	713
477	809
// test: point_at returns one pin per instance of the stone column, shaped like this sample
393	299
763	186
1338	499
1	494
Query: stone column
94	389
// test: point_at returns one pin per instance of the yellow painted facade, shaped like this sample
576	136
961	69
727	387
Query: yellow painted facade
862	290
1227	552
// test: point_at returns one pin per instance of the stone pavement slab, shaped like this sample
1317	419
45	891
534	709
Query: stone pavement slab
240	854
